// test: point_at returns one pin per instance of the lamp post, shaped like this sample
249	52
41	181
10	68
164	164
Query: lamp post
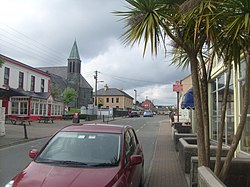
135	98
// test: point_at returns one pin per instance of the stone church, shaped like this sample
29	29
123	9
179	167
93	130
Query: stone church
70	76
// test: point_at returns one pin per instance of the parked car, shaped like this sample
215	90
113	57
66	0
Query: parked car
86	155
147	113
134	114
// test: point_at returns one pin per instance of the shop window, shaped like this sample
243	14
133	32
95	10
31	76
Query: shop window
218	88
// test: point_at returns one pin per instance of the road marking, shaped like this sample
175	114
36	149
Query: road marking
141	128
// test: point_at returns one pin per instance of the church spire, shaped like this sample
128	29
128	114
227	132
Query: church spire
74	54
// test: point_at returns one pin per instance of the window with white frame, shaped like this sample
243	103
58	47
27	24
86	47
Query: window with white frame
19	106
245	140
217	91
6	76
20	81
32	83
42	85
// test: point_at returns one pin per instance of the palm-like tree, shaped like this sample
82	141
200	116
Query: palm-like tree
222	25
234	41
152	20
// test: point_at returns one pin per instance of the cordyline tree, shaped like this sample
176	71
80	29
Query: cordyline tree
198	29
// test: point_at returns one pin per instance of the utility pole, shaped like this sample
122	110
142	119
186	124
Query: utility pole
135	98
95	77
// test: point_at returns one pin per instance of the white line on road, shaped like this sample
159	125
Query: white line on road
140	128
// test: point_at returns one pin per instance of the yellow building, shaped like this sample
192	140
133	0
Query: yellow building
113	98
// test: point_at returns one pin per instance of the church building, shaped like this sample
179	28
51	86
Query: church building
70	76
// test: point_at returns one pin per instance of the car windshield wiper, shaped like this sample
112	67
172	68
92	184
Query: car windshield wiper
68	162
63	162
104	164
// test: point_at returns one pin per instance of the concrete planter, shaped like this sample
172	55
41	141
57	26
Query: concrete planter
238	173
178	135
182	128
188	148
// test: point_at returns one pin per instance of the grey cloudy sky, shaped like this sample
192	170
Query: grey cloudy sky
42	32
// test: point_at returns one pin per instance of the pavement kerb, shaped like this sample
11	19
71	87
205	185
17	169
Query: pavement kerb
22	141
18	141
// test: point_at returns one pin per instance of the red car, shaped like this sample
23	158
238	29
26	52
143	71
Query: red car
86	155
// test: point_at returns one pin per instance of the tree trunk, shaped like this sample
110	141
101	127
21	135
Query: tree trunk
202	161
217	168
205	111
237	137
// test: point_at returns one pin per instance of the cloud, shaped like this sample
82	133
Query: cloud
42	32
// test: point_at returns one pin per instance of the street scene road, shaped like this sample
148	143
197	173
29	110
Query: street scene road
14	158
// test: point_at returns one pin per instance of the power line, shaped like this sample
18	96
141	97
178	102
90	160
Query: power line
27	45
126	79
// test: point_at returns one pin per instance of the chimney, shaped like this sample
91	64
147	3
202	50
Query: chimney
106	87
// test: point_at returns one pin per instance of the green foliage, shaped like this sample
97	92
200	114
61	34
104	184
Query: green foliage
69	95
73	110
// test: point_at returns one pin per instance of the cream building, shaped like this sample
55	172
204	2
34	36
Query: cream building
113	98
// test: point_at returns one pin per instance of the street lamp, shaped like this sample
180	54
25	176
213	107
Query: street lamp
135	98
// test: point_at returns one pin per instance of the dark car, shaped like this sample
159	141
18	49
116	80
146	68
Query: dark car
84	155
134	114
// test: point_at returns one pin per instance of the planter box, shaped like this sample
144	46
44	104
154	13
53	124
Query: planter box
182	128
188	148
178	135
238	173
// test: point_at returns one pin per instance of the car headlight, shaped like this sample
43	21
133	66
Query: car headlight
10	184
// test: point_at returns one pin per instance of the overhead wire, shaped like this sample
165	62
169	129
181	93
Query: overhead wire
16	40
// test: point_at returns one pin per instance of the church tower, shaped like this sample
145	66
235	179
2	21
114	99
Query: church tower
74	69
74	61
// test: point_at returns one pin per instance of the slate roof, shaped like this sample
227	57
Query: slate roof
112	92
19	92
61	71
74	54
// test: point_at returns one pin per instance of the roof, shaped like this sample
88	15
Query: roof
20	92
74	54
20	64
112	92
107	128
57	70
59	74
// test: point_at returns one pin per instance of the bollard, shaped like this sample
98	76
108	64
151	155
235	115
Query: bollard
25	130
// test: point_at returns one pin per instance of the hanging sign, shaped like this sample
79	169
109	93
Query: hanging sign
177	87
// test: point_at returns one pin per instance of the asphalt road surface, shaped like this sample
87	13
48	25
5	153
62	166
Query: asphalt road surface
13	159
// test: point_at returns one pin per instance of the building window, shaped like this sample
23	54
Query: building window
42	85
245	140
117	100
107	100
6	76
218	88
112	100
21	78
32	85
19	106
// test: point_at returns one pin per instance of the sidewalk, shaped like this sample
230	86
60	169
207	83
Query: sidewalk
15	133
165	170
